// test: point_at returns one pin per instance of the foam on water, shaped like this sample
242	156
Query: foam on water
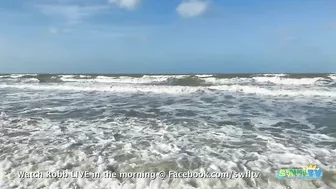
277	79
90	127
333	76
17	75
287	81
122	79
275	75
125	88
204	76
105	88
274	92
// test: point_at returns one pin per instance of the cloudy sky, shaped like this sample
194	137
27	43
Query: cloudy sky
167	36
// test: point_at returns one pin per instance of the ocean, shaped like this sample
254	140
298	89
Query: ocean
148	131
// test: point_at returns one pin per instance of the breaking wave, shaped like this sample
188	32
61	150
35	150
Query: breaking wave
181	80
265	84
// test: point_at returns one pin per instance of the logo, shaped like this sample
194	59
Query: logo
310	172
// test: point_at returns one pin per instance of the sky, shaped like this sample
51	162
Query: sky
167	36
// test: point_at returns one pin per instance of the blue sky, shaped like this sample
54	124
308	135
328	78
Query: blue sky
167	36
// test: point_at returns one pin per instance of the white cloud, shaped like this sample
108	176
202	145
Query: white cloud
72	14
192	8
127	4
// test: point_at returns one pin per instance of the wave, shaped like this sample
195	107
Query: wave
274	92
104	88
181	80
45	78
204	76
187	81
178	90
287	81
332	76
78	76
271	80
118	79
274	75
